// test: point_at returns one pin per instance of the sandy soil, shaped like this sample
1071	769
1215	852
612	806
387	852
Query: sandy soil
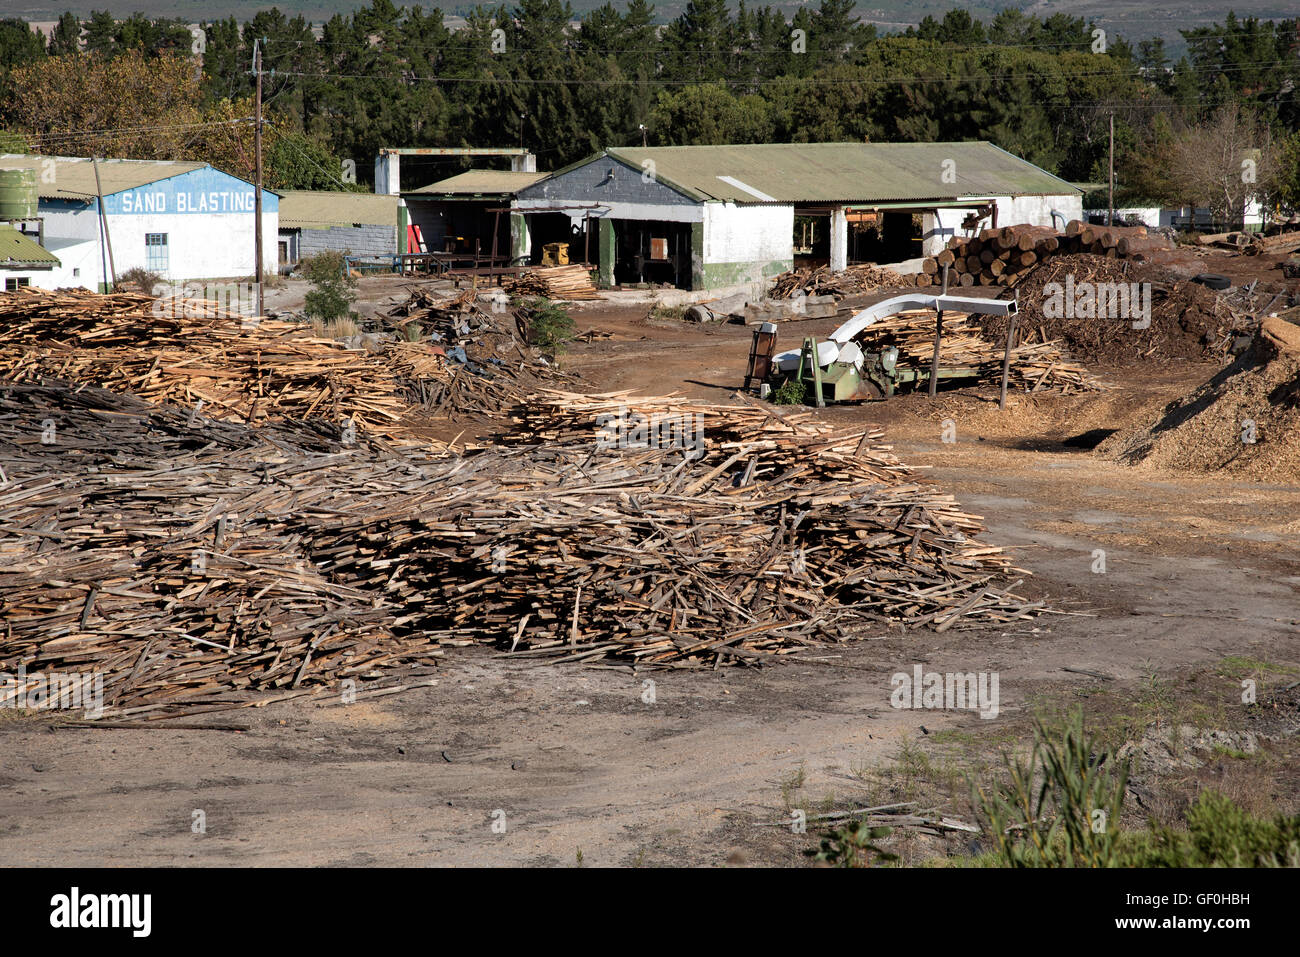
586	770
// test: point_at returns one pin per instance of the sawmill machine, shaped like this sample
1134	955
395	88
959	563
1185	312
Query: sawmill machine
840	369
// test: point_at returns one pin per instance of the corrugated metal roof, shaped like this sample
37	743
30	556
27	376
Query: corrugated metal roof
843	172
17	251
319	208
74	177
482	182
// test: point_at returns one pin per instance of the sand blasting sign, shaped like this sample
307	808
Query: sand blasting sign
204	191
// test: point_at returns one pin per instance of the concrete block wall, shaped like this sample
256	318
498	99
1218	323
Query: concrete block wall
369	240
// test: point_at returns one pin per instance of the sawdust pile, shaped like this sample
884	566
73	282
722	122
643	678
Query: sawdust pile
1188	321
1258	397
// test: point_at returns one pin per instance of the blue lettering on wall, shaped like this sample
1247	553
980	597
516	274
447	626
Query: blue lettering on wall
201	191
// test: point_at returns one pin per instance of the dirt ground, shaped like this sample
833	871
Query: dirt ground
497	762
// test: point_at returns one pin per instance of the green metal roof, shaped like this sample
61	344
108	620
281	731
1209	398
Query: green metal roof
481	182
316	209
18	251
858	173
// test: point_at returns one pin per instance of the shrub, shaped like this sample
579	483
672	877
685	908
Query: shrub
333	289
549	326
139	279
1219	834
1061	808
790	392
853	846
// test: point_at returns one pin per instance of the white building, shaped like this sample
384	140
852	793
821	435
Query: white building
184	221
711	216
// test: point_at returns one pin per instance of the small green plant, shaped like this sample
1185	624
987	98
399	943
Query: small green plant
791	785
670	313
790	392
1061	808
333	288
549	326
853	846
578	857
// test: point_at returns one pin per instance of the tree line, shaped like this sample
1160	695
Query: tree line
1043	88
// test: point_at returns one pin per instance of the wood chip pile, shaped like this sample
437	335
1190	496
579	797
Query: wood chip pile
554	282
194	562
1188	321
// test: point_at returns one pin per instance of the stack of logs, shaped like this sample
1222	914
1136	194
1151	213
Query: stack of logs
1002	256
555	282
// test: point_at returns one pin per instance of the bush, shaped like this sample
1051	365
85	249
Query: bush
1062	807
139	279
549	326
853	846
1219	834
790	392
333	289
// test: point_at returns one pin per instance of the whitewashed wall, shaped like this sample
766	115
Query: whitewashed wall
939	226
735	234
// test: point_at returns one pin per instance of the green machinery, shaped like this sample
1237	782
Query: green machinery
839	369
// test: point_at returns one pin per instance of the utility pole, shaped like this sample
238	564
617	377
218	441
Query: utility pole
1110	179
522	117
642	127
257	193
105	241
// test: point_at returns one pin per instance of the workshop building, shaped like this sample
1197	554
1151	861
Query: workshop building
181	220
702	217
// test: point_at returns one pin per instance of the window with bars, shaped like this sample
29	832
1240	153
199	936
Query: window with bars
155	252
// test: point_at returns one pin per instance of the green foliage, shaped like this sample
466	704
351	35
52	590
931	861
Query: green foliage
721	73
853	846
11	142
789	392
1219	834
549	326
297	161
333	289
1061	807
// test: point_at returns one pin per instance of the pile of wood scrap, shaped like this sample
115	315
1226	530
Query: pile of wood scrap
160	552
236	368
822	281
1003	256
554	282
489	364
193	564
1035	366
